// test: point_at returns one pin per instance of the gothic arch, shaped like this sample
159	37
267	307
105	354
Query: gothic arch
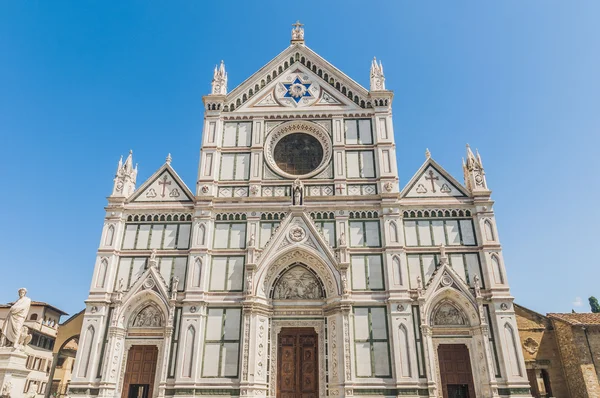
464	304
448	314
149	316
110	234
137	303
397	269
188	353
393	232
86	352
497	269
489	231
102	269
267	275
196	272
200	240
297	282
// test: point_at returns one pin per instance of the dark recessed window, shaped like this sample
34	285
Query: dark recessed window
298	153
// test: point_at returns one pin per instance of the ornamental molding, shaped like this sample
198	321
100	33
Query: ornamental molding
313	129
319	327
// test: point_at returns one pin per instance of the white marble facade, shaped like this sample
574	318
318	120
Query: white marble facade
384	275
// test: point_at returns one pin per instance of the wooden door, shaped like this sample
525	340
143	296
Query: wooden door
455	371
140	369
297	363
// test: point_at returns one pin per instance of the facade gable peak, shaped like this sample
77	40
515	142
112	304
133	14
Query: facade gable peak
164	185
299	88
296	55
432	181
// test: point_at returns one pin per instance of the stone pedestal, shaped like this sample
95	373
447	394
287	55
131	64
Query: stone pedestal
13	372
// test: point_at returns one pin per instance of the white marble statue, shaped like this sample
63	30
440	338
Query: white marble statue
13	326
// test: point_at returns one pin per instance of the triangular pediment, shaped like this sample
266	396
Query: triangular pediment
445	277
298	88
296	230
328	86
163	186
432	181
149	280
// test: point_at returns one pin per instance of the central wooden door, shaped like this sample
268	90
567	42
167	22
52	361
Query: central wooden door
297	363
455	371
140	371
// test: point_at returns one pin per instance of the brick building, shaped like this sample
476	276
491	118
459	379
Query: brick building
542	357
578	339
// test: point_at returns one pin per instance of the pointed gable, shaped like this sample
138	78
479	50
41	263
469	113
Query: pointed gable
163	186
327	85
298	88
297	230
432	181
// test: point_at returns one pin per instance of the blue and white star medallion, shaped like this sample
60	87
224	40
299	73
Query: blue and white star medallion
297	90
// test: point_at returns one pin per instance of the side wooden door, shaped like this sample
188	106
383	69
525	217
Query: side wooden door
140	369
455	371
297	363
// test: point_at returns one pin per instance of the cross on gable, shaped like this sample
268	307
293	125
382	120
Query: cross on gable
164	184
432	178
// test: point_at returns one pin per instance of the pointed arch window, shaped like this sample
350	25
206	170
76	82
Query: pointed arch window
188	353
197	272
393	232
86	351
102	269
110	234
489	231
498	275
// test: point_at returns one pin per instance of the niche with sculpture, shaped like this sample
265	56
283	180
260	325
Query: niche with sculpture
149	317
298	283
448	314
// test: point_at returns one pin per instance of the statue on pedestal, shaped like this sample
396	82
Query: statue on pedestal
297	194
13	326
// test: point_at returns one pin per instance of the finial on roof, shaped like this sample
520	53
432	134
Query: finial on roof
298	33
169	158
427	153
219	81
377	77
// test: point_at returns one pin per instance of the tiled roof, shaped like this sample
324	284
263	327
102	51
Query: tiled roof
39	304
582	319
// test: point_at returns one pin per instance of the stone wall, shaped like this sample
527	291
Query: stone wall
540	350
577	361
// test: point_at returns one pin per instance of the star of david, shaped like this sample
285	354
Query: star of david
297	90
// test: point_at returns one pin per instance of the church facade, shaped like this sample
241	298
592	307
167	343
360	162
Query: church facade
298	267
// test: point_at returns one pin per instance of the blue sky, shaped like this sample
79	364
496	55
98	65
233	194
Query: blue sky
84	82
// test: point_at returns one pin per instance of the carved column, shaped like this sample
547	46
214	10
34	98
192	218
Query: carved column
489	359
164	370
430	359
113	358
347	348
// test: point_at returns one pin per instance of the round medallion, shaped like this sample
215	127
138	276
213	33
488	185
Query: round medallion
298	149
149	283
193	309
297	233
446	280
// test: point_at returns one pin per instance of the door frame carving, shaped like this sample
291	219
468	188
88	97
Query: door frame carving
474	346
319	326
159	363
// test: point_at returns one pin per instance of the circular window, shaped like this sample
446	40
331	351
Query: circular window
298	154
298	149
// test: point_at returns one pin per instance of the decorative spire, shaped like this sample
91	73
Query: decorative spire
219	81
297	33
377	77
124	182
169	158
474	173
427	153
